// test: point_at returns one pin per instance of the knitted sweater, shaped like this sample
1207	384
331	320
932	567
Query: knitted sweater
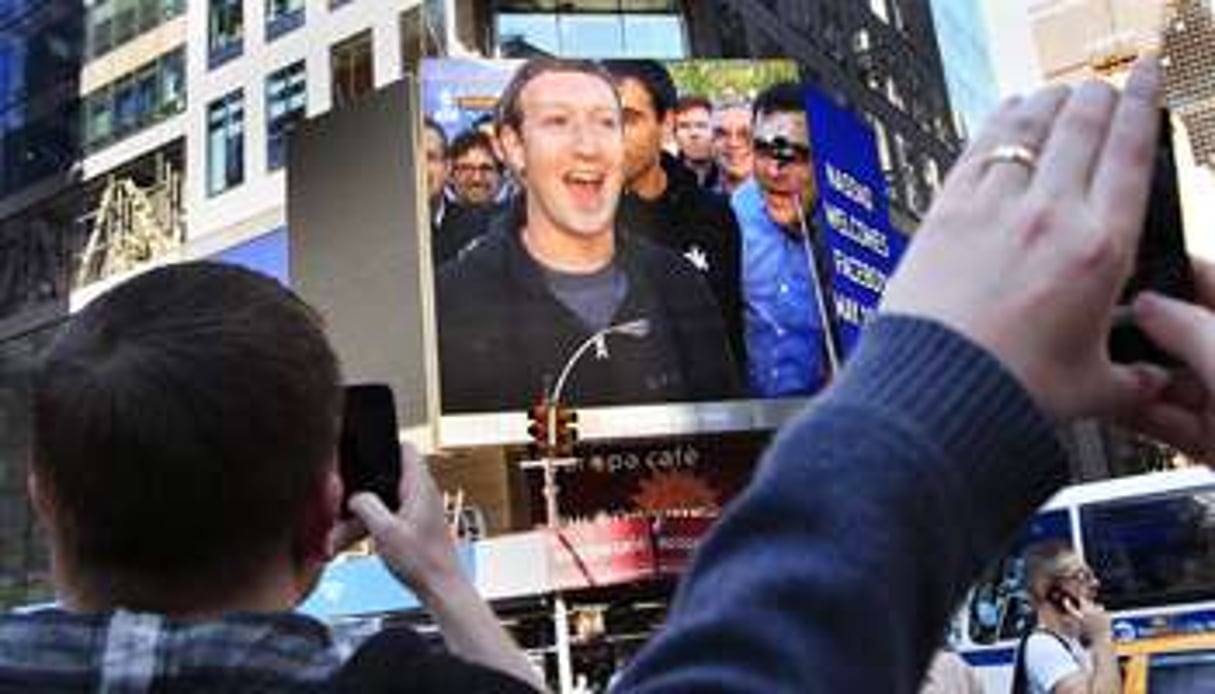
867	520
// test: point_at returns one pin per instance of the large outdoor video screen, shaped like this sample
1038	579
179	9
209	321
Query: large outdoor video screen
720	237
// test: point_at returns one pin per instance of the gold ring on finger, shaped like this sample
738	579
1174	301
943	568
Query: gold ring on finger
1012	154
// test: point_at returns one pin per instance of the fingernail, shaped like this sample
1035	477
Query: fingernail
1147	303
1153	378
1145	78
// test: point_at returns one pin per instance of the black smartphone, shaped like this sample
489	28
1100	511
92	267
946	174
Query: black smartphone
369	453
1062	600
1161	264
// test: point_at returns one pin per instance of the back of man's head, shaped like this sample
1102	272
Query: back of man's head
182	425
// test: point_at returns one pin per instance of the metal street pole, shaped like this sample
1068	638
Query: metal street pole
561	622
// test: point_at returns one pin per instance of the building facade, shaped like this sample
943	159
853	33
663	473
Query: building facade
961	29
1099	39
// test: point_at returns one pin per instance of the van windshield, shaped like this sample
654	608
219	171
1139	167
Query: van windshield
1152	552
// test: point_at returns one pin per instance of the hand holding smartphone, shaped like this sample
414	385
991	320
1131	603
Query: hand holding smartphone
1161	263
1063	601
369	452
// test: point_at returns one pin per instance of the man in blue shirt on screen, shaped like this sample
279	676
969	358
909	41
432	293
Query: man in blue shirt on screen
784	328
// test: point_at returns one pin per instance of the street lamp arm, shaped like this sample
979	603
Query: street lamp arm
636	328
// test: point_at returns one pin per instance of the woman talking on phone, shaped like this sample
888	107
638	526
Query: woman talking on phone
1071	651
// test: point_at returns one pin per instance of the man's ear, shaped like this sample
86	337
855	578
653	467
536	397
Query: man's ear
40	497
511	142
315	527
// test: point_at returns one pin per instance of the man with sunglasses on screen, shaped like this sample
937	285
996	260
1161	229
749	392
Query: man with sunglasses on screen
783	321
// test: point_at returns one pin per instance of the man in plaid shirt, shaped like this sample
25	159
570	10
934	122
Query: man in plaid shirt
184	467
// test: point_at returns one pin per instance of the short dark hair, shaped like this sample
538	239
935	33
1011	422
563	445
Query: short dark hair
692	102
782	97
510	115
652	76
469	140
182	424
433	125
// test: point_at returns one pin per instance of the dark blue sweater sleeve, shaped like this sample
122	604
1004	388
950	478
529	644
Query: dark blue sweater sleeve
868	517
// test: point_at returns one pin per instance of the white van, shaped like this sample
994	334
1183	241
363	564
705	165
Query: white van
1149	538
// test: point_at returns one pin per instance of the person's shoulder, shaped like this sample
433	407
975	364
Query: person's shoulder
399	660
479	261
1048	659
661	263
1043	640
747	202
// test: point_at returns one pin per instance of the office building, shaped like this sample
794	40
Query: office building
961	29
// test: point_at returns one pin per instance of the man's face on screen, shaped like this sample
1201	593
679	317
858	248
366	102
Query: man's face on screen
436	163
782	164
643	130
694	134
570	150
475	176
732	141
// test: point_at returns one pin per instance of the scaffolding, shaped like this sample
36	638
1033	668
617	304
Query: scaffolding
132	226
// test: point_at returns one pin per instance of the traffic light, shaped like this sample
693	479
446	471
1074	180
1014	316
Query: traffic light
537	430
565	422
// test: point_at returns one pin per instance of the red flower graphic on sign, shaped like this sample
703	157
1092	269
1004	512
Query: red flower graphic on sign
675	491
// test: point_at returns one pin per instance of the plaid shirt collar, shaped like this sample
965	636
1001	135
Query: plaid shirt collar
125	652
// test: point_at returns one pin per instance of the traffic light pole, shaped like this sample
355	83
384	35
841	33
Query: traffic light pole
552	512
552	518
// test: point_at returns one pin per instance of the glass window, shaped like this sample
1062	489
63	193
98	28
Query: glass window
149	14
126	106
1175	673
517	33
172	83
100	27
100	114
286	103
590	34
225	32
226	143
126	21
419	37
110	23
655	36
353	71
283	16
136	101
146	92
1152	552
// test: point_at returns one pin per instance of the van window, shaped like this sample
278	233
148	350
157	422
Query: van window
1152	552
1178	673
